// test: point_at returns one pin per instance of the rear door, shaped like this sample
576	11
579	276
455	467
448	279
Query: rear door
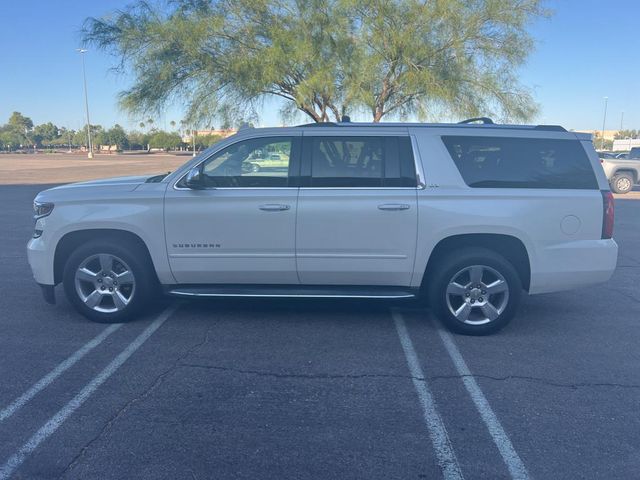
240	229
357	209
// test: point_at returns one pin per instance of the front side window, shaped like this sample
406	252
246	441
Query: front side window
349	161
502	162
258	162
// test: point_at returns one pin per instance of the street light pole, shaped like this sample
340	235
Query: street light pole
82	51
604	119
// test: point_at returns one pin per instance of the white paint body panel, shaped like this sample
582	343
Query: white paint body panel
343	238
222	236
337	236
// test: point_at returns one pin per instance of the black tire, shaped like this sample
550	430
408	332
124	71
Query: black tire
135	258
454	266
255	168
622	183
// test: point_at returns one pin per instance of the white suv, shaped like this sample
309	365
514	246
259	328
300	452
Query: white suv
465	215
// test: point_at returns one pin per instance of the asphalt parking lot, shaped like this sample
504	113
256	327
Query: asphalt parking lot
283	389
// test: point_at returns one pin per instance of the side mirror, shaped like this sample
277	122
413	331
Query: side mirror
194	179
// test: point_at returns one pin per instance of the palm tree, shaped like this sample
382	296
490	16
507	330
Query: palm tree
141	125
173	124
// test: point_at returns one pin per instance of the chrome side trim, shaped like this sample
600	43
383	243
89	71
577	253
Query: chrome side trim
232	255
284	295
350	256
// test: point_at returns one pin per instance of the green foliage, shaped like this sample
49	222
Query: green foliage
622	134
165	140
115	136
45	134
138	140
205	141
19	121
600	144
324	57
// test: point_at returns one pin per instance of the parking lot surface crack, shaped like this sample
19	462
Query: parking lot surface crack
310	376
574	385
158	380
337	376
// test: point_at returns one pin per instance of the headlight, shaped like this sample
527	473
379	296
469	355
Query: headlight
42	209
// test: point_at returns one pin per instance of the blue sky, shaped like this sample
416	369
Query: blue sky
587	50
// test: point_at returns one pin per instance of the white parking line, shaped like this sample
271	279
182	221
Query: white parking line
439	438
58	419
63	366
500	438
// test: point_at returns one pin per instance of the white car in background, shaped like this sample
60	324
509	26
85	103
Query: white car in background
466	215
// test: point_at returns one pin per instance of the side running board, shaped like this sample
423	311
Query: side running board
293	291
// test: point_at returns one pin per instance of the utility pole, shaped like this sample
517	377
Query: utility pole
82	51
621	120
604	120
193	139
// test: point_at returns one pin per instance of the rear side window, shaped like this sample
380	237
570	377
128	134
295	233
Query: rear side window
349	161
502	162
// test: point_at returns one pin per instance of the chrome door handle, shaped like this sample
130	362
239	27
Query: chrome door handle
394	206
274	207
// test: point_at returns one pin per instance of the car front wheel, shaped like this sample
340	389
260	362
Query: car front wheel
107	283
475	291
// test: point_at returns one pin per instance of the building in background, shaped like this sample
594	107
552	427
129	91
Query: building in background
224	133
625	144
609	135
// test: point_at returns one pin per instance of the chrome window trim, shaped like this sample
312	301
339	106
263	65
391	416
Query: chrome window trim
283	134
421	184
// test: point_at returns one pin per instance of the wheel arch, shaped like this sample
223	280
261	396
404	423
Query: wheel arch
634	174
72	240
510	247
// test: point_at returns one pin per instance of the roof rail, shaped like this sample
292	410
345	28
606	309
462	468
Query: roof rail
484	120
550	128
319	124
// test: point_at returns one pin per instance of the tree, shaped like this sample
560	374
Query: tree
116	136
19	121
205	141
80	137
622	134
323	57
137	140
45	133
10	138
164	140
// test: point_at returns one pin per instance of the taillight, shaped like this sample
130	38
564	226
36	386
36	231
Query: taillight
607	214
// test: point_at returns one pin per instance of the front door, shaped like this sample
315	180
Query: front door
240	228
357	211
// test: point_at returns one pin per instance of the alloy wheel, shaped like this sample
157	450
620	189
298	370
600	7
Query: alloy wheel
477	295
105	283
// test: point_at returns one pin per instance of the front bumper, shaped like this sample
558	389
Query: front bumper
40	260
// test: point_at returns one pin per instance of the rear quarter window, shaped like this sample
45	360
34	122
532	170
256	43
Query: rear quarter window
502	162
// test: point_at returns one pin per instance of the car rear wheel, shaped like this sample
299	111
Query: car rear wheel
108	283
622	183
475	291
